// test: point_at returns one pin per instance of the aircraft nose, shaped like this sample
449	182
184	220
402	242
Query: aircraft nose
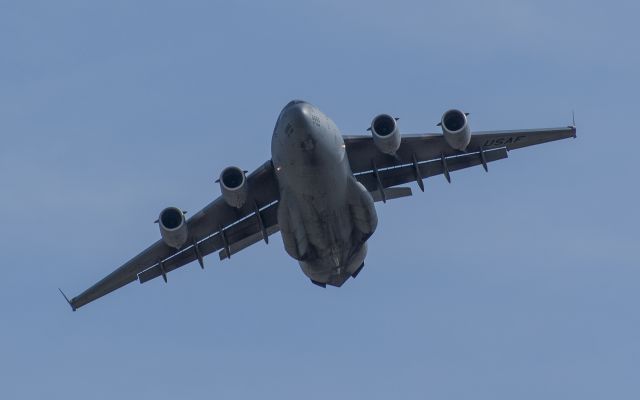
294	102
297	109
298	114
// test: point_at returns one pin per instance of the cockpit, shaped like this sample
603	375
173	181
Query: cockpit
294	102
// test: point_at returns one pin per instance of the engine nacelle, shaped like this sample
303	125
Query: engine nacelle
173	227
233	185
386	134
456	129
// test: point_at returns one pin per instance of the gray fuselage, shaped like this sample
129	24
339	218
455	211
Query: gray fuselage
325	215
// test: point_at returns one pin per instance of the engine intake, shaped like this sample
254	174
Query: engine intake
233	185
386	134
173	227
455	129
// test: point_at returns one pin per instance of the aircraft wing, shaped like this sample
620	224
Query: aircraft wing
218	226
381	183
421	156
363	153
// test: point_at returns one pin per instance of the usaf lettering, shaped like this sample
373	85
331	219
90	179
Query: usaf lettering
502	141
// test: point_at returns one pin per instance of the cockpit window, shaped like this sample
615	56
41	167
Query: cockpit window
293	102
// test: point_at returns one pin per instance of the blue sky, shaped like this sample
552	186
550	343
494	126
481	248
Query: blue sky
521	283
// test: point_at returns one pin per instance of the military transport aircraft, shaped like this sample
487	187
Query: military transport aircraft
318	189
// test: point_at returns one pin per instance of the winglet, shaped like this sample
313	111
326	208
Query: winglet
67	299
573	123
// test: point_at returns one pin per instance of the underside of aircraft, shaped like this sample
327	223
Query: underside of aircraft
318	190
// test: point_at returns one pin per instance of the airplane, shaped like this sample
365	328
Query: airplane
318	189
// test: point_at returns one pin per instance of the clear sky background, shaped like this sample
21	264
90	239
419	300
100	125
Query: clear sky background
518	284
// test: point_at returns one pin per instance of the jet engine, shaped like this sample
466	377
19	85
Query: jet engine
456	129
173	227
386	134
233	185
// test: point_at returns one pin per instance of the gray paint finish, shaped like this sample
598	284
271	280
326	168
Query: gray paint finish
318	190
325	216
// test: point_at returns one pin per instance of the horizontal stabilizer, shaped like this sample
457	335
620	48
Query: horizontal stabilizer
243	243
321	284
355	274
392	193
